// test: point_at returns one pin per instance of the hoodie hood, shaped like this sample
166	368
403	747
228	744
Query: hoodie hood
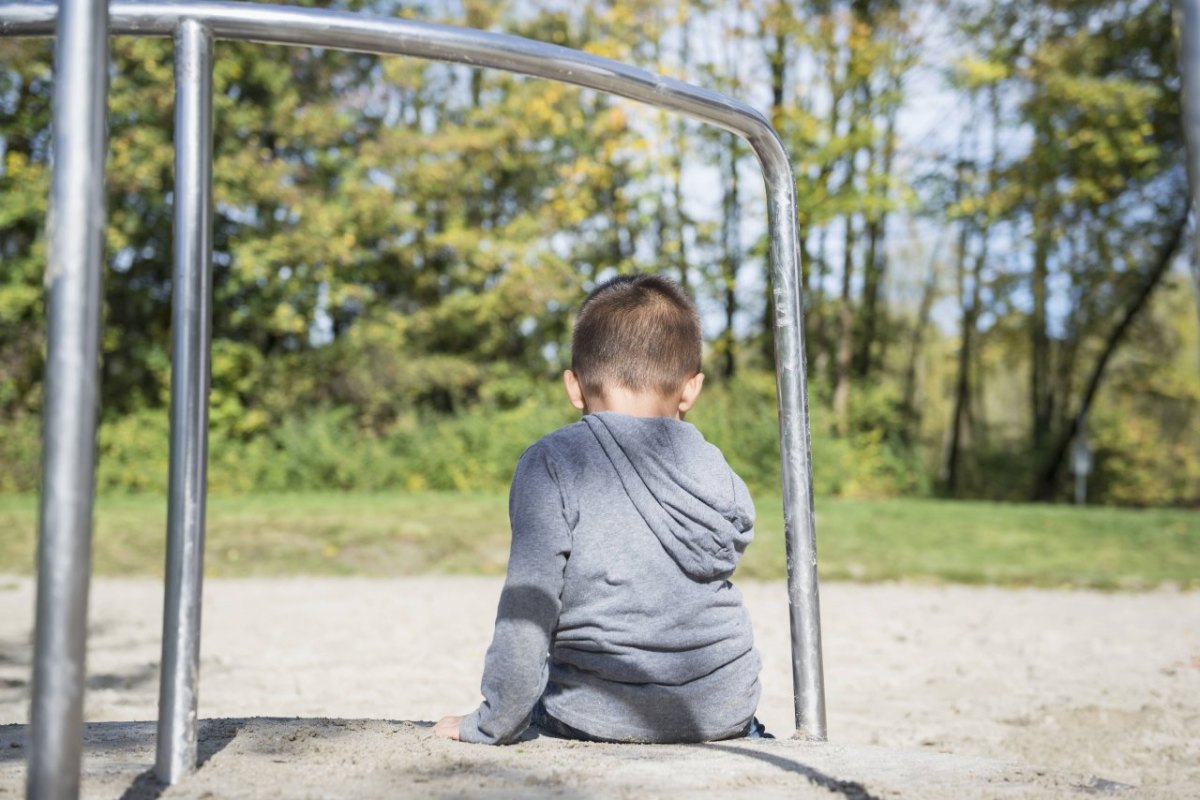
695	504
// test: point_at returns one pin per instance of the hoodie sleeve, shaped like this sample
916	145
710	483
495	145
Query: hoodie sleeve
516	667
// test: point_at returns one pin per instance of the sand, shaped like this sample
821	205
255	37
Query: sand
324	687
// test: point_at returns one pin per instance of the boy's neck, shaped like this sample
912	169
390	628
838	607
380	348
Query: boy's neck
634	404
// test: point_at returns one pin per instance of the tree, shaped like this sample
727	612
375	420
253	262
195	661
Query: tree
1091	86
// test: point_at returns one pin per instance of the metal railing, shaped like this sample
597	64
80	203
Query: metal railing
75	225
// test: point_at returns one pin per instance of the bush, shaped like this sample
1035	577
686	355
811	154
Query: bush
742	419
1136	464
342	448
20	454
134	453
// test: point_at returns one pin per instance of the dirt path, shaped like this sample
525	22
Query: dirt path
932	692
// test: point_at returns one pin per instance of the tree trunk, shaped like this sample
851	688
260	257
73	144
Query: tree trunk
837	94
845	349
681	220
972	419
1195	264
817	306
1195	260
928	294
875	264
1047	478
732	253
777	58
976	410
969	294
1039	378
962	384
681	262
767	349
871	274
841	390
806	263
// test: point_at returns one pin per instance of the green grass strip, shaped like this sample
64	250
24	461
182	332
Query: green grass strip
406	534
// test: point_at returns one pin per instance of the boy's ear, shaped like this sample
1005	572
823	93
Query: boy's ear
574	389
691	390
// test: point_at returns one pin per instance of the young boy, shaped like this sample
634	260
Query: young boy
617	621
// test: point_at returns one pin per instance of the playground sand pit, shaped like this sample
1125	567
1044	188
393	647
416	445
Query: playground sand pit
324	687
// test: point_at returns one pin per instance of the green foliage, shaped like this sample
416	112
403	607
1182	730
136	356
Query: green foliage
1143	430
1135	466
476	449
399	244
20	455
25	88
742	419
133	453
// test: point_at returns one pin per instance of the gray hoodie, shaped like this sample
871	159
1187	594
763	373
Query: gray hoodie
617	610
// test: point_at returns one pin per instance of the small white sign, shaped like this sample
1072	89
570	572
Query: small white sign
1081	456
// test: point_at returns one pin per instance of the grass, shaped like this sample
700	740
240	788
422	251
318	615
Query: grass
916	540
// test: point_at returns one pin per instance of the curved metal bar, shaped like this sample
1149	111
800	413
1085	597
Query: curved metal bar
311	27
389	36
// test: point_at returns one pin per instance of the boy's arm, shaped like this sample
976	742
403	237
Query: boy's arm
516	667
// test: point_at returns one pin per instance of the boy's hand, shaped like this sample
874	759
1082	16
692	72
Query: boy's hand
447	728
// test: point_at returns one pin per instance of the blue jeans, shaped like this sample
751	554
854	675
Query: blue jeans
549	726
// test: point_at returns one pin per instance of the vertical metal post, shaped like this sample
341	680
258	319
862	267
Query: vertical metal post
75	229
808	676
1188	19
191	348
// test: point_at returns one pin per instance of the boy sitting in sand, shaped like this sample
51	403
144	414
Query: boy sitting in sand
617	621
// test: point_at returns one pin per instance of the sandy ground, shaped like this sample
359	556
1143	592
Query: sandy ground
324	688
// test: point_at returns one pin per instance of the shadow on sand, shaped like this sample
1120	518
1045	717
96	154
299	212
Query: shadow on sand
851	790
213	736
134	743
135	740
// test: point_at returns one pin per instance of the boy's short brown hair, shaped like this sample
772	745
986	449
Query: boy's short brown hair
640	332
